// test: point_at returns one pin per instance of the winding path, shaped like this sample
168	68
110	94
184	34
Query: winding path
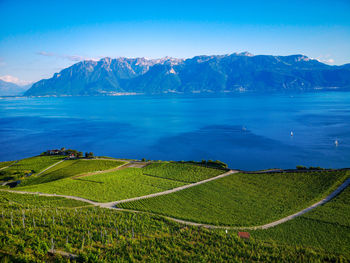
266	226
47	168
3	168
323	201
111	205
120	167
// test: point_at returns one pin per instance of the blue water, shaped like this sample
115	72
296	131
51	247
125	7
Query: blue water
246	131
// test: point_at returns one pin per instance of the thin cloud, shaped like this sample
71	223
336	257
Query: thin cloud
69	57
330	61
326	59
15	80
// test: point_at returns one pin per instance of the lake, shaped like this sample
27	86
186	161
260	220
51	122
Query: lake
247	131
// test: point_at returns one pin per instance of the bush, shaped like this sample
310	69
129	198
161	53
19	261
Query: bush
315	168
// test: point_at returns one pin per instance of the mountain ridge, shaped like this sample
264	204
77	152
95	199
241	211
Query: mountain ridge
235	72
11	89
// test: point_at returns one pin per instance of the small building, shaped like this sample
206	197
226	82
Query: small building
245	235
53	152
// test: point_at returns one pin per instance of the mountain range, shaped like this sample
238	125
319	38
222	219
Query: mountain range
11	89
238	72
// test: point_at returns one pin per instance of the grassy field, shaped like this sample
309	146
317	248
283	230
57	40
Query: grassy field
244	199
71	168
29	229
183	172
326	227
112	186
31	165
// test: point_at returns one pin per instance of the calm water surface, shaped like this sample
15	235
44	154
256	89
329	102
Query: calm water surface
244	130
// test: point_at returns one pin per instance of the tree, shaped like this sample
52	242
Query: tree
80	154
89	155
301	167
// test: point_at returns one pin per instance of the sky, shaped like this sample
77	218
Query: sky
39	38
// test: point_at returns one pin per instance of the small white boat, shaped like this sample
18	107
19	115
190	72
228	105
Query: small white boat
336	142
291	133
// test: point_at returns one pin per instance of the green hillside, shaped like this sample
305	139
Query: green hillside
70	168
35	228
243	199
31	231
28	166
184	172
112	186
326	227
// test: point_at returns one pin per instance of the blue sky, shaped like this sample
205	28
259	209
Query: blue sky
39	38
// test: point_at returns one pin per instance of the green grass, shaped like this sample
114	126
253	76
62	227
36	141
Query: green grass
111	186
326	227
29	229
183	172
29	165
244	199
71	168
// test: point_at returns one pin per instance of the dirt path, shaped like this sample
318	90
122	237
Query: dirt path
112	204
266	226
128	164
49	168
53	195
8	165
123	166
323	201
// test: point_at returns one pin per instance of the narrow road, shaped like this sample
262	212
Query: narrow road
49	168
123	166
53	195
8	165
323	201
112	204
266	226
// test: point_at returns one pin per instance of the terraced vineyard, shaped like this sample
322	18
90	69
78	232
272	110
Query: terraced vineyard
71	168
37	228
326	227
244	199
33	229
121	184
117	185
183	172
27	166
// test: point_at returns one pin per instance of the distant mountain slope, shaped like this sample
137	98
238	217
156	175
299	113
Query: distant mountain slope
11	89
223	73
